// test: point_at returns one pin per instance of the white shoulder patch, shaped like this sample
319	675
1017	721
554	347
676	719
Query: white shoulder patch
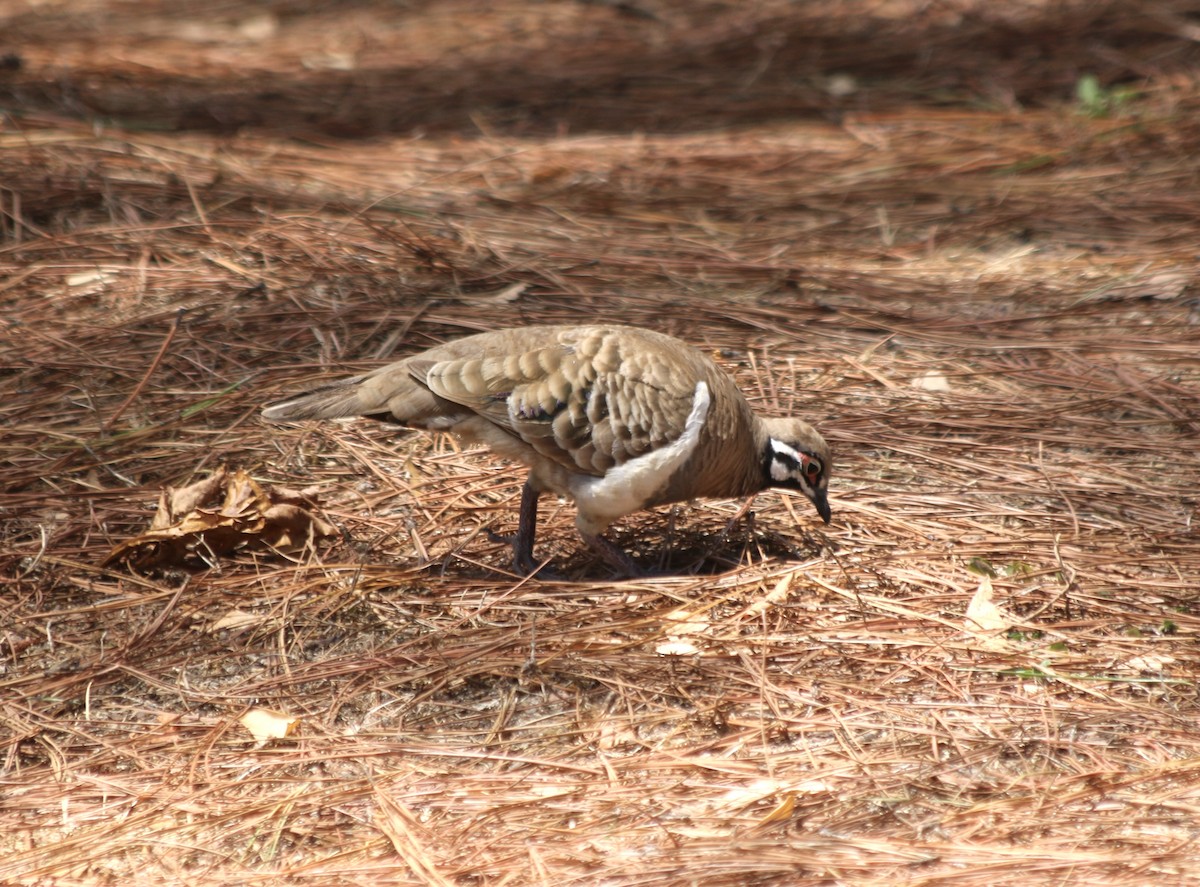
625	488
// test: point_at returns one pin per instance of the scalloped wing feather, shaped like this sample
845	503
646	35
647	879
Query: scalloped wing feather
582	400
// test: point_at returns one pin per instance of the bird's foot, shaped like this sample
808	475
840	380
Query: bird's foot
524	563
500	538
613	556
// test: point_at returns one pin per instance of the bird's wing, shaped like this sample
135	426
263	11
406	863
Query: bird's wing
587	400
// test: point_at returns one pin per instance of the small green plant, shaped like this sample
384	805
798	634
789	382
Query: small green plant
1017	635
1096	100
980	567
1017	568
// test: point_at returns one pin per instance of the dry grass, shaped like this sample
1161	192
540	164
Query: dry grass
784	702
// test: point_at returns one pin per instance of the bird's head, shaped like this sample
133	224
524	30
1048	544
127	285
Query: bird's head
796	457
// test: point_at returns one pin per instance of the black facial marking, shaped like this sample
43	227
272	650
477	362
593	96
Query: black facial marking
773	457
776	462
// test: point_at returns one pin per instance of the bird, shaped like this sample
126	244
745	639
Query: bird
616	418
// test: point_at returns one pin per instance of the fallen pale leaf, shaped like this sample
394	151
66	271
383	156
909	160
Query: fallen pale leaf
982	614
97	275
612	733
259	27
265	724
510	293
783	810
777	594
686	622
986	621
235	619
676	647
330	61
931	381
1150	662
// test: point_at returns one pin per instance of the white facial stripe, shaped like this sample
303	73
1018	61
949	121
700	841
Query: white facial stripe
782	465
782	448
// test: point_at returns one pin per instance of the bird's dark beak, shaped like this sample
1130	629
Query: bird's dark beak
819	499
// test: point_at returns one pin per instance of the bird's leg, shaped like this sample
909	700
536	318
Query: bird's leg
743	512
612	554
526	529
522	540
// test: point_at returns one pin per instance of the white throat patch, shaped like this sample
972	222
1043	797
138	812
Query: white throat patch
625	488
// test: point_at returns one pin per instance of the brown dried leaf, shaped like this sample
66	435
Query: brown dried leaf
179	501
306	496
290	528
193	526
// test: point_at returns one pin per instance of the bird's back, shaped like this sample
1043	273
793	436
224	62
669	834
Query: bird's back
587	398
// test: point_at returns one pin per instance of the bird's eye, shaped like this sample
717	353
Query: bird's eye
812	470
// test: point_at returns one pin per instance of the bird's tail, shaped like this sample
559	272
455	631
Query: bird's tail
338	400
